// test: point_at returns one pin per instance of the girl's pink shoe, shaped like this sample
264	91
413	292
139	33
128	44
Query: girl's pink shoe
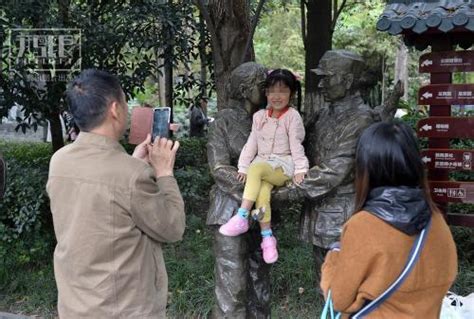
269	247
235	226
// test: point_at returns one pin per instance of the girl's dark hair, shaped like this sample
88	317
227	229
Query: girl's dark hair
387	155
289	79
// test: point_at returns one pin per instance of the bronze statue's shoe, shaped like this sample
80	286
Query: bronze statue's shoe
235	226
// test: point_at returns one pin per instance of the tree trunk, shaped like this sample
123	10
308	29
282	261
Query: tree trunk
161	83
169	70
56	131
384	80
401	68
54	119
318	38
202	55
229	25
169	83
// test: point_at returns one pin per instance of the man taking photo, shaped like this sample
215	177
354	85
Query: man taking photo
111	211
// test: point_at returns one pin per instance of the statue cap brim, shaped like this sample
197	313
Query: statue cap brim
320	71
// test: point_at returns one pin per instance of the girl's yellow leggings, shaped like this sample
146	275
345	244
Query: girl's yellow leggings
261	178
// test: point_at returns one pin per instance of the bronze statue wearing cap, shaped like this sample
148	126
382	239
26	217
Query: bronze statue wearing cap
332	135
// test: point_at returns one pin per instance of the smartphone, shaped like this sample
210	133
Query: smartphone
161	122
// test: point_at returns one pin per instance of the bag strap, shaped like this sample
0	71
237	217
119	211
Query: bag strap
413	257
328	309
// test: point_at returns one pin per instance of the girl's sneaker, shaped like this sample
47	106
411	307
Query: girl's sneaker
269	247
235	226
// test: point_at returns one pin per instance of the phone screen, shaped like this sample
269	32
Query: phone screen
161	122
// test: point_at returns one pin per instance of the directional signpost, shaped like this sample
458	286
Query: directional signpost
450	61
439	128
446	127
442	94
453	192
448	159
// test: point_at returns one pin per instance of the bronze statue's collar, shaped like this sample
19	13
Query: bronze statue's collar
348	102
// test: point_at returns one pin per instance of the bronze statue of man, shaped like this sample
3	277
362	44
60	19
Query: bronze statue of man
242	285
330	147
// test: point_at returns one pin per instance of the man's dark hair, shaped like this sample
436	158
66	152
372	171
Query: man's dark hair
88	96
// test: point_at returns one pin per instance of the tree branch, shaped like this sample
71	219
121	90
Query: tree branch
303	22
210	25
252	31
337	14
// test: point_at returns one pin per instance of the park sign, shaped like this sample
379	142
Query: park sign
452	192
446	94
446	127
447	159
447	61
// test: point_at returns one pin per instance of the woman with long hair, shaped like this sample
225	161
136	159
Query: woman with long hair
393	205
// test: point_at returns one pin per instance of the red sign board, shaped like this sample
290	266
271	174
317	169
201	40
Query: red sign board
447	159
446	94
466	220
445	62
140	124
452	192
446	127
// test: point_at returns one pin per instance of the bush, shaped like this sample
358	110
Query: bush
25	207
24	211
26	153
195	183
26	236
192	152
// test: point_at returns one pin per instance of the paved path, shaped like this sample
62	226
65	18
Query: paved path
4	315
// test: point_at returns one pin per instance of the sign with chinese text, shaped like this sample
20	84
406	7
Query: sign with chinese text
452	192
446	94
446	127
447	159
445	62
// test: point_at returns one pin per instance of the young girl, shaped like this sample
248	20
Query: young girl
272	156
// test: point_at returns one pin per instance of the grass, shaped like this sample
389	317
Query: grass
464	238
30	288
190	266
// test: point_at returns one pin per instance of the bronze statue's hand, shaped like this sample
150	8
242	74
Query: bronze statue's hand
281	194
298	178
242	177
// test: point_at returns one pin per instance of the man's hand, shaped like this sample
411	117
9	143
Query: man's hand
242	177
162	155
298	178
141	150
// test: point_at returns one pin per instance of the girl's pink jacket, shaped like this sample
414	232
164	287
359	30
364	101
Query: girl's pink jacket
276	140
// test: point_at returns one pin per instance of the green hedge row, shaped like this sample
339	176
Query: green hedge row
24	211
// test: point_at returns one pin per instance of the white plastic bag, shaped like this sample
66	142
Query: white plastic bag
468	311
457	307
